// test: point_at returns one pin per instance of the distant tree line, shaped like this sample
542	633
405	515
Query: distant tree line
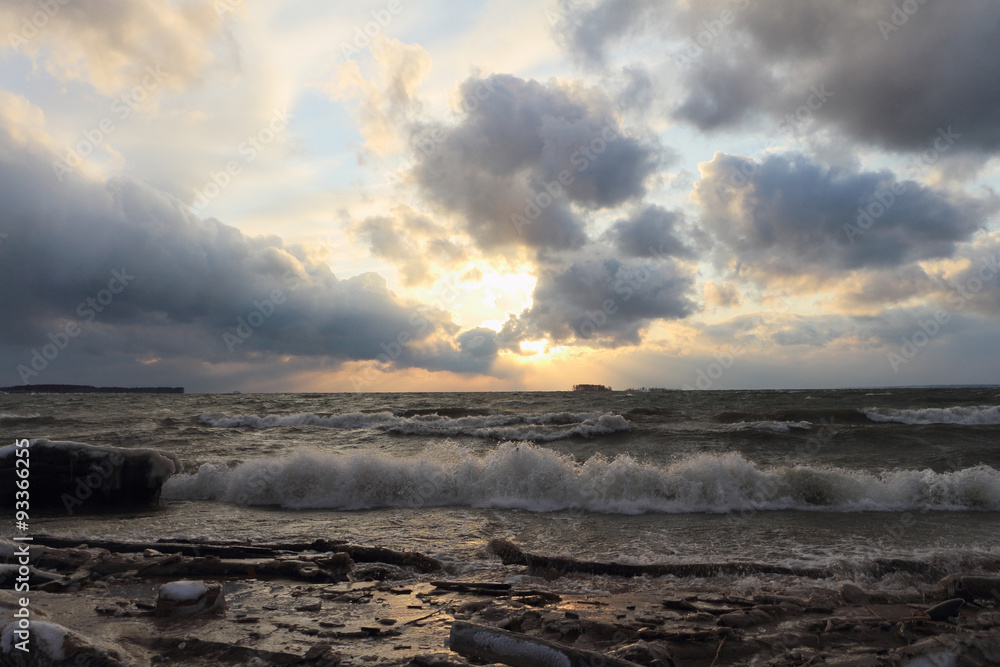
87	389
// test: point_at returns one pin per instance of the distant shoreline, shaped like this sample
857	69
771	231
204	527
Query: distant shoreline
87	389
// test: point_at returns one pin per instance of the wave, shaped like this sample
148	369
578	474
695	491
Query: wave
774	426
544	427
8	418
830	416
442	412
970	416
524	476
980	415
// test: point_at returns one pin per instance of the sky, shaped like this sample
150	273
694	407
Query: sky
483	195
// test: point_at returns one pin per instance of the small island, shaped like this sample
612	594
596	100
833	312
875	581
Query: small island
86	389
591	387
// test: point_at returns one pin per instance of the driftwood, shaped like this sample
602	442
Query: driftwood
358	554
511	554
528	596
493	645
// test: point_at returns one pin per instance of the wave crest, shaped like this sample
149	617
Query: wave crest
970	416
524	476
773	426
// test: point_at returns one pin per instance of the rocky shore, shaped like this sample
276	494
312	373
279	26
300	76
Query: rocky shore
329	603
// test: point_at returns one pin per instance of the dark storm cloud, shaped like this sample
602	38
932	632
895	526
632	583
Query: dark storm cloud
523	154
176	284
898	71
649	232
598	300
791	216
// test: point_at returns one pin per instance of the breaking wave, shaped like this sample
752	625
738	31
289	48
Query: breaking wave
527	477
970	416
774	426
544	427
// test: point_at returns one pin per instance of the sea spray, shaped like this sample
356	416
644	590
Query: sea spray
527	477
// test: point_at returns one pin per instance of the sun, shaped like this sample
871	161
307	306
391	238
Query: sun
532	347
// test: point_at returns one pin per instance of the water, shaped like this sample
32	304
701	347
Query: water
837	478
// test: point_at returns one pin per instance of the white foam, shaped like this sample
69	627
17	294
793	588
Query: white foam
971	416
525	476
776	426
544	427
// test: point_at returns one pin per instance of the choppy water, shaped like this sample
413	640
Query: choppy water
810	477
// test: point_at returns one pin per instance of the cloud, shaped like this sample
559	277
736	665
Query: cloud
109	43
638	91
649	232
875	289
388	104
413	242
721	295
726	97
975	285
587	31
144	278
593	299
526	158
788	216
896	75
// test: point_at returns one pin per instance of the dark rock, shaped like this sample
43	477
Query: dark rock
189	598
85	478
599	632
510	554
321	655
971	587
945	610
491	645
379	572
474	606
745	619
437	660
645	653
854	594
52	645
36	577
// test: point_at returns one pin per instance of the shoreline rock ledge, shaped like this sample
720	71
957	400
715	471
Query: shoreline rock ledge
86	478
